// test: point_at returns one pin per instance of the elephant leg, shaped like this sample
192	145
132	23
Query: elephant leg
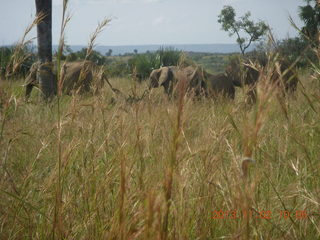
28	91
204	89
168	88
231	93
168	84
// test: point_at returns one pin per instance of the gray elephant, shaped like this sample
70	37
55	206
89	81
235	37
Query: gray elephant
242	74
70	74
198	81
164	76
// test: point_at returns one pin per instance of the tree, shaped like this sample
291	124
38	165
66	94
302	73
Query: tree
109	53
94	56
255	31
44	31
310	15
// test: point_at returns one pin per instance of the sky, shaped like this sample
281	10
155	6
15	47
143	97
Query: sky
141	22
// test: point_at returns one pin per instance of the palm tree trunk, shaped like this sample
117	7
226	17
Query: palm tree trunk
44	31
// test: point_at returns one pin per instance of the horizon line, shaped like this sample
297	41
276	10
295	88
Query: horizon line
120	45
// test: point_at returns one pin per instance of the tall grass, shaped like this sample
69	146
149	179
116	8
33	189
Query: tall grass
157	169
19	54
84	168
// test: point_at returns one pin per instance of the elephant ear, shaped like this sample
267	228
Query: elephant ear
154	78
164	76
197	77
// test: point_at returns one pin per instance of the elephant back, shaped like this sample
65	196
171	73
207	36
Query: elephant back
195	77
220	84
77	76
241	73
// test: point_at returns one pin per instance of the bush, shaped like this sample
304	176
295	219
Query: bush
290	49
169	56
117	68
293	48
6	54
95	56
143	64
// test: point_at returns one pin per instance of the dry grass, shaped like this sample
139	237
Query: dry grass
159	169
19	55
102	167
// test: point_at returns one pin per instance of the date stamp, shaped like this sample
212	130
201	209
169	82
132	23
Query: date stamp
265	214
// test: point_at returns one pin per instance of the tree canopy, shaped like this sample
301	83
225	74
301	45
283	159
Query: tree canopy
253	31
310	15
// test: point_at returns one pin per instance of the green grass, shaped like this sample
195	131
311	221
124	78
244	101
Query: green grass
158	169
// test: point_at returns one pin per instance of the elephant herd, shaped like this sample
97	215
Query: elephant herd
198	82
237	74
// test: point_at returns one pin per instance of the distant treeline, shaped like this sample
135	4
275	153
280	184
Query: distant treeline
141	64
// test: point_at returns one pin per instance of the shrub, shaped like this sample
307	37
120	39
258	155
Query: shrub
290	48
117	68
6	54
143	64
293	48
169	56
95	56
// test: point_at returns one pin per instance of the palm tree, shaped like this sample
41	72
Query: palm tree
44	31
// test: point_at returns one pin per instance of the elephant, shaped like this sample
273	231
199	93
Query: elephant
76	76
200	82
243	74
163	76
220	84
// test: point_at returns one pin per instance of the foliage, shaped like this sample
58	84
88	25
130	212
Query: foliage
6	54
310	15
143	64
67	51
117	67
212	62
255	31
169	56
294	48
95	56
109	53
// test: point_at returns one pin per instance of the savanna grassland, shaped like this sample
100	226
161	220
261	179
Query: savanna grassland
103	167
